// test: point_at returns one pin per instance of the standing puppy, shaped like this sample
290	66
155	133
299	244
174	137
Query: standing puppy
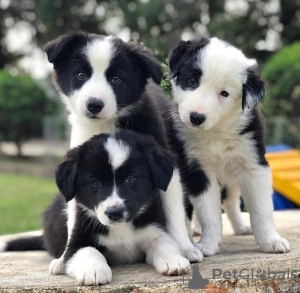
217	91
103	82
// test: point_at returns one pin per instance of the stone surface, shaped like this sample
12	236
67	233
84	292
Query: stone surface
28	271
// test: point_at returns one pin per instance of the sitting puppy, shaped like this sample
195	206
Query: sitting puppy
118	216
104	84
217	91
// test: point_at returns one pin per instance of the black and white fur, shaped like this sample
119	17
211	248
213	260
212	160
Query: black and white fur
103	82
217	91
114	182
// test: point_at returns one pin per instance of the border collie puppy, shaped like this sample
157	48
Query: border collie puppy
118	216
103	82
217	91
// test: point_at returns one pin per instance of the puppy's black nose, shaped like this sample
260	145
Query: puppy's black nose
114	213
94	105
197	119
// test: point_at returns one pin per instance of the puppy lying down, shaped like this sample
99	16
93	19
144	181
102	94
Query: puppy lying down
113	182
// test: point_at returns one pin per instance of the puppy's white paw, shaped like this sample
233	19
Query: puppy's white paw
89	267
279	245
3	246
173	265
208	248
243	230
57	266
97	273
193	255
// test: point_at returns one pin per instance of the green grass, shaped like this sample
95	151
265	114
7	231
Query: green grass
22	202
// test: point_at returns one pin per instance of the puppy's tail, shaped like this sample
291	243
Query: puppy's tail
23	244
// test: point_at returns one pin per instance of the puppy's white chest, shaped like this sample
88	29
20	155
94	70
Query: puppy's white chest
221	156
211	151
83	129
122	244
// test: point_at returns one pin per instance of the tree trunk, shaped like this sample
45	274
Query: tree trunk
19	149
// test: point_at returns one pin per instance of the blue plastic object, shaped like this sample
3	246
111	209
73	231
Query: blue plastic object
278	148
282	203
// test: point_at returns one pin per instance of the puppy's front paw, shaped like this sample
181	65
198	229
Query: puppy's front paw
243	230
208	248
57	266
193	255
97	273
89	267
279	245
173	265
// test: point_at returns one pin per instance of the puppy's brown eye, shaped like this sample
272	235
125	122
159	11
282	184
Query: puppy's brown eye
116	79
193	82
224	94
130	178
96	182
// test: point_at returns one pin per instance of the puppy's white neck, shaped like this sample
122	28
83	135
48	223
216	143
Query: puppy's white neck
82	128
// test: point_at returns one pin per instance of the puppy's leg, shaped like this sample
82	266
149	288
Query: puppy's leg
164	254
256	187
57	266
231	205
208	209
89	267
196	226
173	202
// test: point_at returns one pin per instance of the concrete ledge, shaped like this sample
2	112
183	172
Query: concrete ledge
28	272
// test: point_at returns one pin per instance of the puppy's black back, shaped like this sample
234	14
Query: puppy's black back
147	117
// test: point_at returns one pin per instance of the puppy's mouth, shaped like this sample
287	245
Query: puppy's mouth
118	222
92	116
111	222
97	117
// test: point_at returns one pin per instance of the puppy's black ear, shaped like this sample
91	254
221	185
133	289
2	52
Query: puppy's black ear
66	175
253	90
176	58
57	47
161	165
147	61
183	52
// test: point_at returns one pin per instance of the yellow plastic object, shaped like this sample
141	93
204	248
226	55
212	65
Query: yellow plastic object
286	173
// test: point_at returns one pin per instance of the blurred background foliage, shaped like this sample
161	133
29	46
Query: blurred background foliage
259	27
268	30
23	106
282	71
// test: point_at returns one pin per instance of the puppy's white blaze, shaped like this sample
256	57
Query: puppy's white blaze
118	152
112	200
99	53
